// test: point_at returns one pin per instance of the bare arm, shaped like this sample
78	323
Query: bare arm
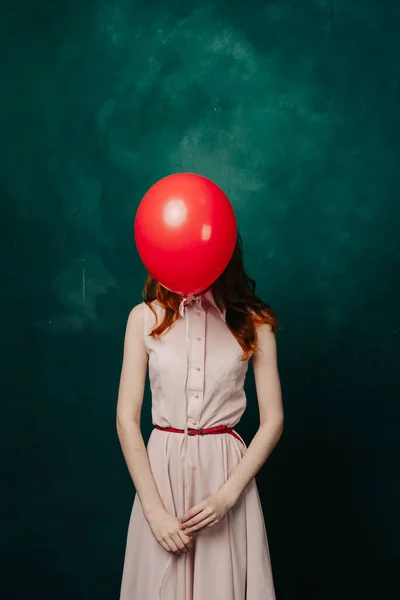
130	399
271	416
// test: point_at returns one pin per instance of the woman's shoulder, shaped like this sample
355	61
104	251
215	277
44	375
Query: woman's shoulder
263	318
153	313
144	315
154	306
141	307
136	315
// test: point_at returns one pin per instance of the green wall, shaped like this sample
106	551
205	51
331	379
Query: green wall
291	107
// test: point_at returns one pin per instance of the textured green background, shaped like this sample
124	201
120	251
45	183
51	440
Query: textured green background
293	108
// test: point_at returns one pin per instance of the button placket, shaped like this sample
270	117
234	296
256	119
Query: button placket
196	376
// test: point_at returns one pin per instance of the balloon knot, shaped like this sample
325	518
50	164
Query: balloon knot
186	300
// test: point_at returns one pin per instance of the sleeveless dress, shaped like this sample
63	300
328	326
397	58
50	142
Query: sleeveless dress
229	561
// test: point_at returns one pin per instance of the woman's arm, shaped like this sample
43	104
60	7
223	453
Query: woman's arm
130	399
271	416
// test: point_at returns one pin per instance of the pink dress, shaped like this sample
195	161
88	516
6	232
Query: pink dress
229	561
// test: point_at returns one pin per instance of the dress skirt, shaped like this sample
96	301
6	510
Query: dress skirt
229	561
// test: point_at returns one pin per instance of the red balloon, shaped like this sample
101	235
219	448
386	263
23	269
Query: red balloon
185	231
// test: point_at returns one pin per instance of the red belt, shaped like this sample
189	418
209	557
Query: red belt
207	431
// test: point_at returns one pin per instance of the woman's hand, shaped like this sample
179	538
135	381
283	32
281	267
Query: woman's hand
166	530
207	513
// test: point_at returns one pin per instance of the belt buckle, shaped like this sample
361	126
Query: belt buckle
192	431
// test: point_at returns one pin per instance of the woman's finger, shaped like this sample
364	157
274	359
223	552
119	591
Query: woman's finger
185	539
172	546
195	520
165	545
199	526
178	542
193	512
214	522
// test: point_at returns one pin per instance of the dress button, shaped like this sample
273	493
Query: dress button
199	338
197	368
198	314
196	395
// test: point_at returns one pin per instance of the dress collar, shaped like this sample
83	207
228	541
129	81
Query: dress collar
205	298
208	296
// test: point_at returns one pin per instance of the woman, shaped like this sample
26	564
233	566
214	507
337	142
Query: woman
210	544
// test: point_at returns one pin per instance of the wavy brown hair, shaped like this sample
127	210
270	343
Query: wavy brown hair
235	290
